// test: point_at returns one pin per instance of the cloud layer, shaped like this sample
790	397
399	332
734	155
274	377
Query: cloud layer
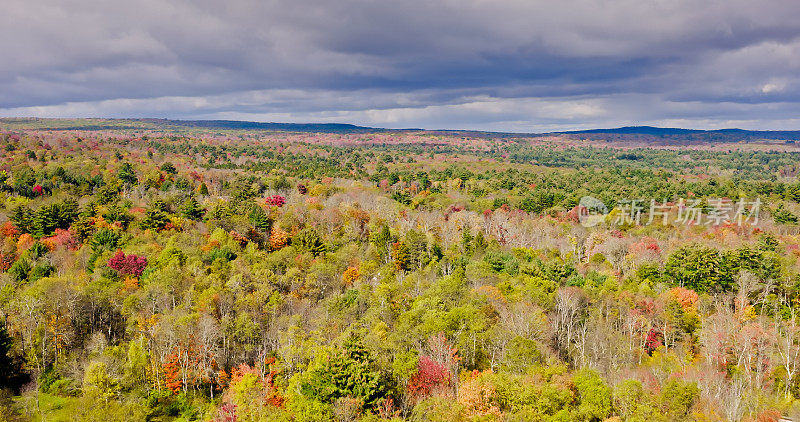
511	65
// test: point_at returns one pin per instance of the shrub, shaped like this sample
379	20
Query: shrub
224	253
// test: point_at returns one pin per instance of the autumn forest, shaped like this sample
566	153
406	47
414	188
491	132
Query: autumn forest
161	272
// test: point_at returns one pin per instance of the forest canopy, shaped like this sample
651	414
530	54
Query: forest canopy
240	274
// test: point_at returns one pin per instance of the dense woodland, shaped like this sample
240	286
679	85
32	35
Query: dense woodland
268	276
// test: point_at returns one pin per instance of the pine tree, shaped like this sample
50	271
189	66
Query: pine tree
466	241
45	221
168	168
156	217
383	242
349	372
260	219
309	240
22	217
127	174
192	210
67	213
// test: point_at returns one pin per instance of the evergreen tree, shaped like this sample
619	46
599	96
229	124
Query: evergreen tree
24	180
105	240
109	193
156	217
22	217
466	240
168	168
700	268
260	219
127	174
349	372
192	210
383	242
243	192
309	240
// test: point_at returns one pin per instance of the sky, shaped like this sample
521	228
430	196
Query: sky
499	65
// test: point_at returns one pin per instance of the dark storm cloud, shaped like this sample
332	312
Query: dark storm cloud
485	64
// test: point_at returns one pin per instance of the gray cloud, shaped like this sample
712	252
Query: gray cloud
498	65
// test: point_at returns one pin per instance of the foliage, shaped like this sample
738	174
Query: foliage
700	268
128	264
348	372
193	283
594	396
308	239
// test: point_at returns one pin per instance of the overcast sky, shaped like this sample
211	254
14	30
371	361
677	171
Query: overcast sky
522	65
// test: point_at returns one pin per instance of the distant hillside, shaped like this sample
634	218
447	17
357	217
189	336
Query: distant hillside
166	124
281	127
628	133
687	134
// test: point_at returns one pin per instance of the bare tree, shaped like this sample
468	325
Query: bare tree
569	323
788	346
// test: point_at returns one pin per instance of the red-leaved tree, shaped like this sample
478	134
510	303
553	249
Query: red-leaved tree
276	200
128	264
431	377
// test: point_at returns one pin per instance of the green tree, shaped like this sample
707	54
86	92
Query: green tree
308	239
539	201
135	371
24	180
109	193
677	399
633	403
594	396
97	379
260	219
48	218
700	268
155	217
127	174
105	240
348	372
20	270
168	168
382	239
192	210
22	217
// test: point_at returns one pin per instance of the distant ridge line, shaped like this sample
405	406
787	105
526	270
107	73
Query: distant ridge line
347	128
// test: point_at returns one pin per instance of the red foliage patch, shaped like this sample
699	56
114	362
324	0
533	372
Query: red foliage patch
429	378
276	201
128	264
654	340
63	238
